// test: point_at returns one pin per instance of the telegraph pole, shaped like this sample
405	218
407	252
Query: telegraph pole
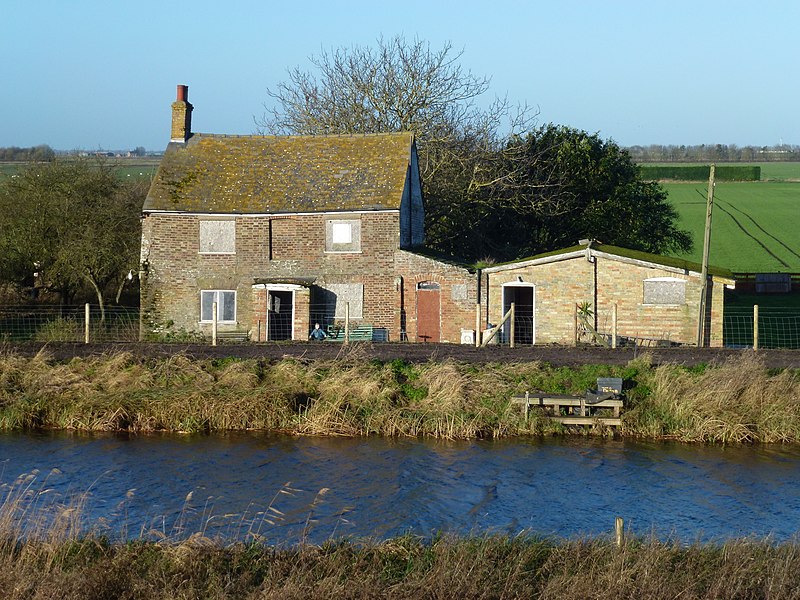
706	248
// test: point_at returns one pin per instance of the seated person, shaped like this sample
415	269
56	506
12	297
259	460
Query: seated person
317	334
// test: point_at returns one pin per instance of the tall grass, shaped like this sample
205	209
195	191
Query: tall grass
738	401
53	559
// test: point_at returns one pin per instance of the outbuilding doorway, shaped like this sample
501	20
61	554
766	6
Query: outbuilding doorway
523	295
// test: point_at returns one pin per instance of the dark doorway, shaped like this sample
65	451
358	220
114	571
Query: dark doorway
281	311
524	324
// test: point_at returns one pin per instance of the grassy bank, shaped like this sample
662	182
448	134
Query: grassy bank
491	567
738	401
47	550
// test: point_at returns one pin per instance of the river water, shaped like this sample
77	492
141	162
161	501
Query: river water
284	489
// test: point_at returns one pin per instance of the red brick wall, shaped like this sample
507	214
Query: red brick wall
458	294
176	271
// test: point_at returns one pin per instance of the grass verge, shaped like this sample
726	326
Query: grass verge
46	551
738	401
406	567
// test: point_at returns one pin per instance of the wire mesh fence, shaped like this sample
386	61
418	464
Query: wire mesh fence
777	328
68	324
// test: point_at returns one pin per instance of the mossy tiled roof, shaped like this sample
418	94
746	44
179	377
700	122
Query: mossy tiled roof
282	174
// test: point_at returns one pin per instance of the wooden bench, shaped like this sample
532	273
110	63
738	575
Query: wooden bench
235	336
358	333
583	408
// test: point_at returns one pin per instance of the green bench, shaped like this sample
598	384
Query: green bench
358	333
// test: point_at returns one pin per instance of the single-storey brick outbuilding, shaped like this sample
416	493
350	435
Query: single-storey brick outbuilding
657	298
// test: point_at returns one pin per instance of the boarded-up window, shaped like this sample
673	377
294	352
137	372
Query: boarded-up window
343	235
664	290
218	237
459	291
335	296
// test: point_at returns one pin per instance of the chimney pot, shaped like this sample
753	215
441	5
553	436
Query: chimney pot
183	93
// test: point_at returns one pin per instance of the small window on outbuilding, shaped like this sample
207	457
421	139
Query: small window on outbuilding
217	236
665	291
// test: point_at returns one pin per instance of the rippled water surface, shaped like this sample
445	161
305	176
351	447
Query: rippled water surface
377	488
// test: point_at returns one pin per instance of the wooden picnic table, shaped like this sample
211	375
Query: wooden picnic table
585	414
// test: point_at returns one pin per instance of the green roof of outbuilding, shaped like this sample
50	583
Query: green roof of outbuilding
658	259
282	174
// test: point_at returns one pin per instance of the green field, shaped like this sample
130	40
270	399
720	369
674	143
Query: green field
126	167
779	171
770	171
754	225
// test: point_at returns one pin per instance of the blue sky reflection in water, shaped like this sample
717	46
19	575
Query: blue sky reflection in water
379	488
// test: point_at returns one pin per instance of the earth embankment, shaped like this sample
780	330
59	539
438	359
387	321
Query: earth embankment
567	356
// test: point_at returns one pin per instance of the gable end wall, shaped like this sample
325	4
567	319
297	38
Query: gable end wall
562	284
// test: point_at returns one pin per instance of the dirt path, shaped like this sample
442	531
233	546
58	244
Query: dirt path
555	355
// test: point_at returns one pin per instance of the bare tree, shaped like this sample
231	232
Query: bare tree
396	86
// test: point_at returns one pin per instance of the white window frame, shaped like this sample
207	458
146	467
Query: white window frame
221	306
203	245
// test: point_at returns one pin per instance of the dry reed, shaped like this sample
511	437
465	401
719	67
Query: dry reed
739	401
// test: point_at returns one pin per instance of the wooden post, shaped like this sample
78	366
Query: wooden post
495	329
86	323
614	325
266	315
478	325
346	322
511	327
701	317
755	327
619	531
214	324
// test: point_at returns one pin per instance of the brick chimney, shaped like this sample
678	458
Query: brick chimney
181	116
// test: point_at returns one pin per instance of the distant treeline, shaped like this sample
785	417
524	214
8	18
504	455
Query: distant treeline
34	153
699	172
714	153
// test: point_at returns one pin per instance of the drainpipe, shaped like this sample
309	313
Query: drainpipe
592	259
478	327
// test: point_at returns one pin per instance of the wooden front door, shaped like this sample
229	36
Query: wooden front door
429	312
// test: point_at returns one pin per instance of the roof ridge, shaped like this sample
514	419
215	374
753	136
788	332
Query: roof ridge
305	135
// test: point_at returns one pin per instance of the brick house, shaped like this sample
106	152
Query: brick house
285	231
657	298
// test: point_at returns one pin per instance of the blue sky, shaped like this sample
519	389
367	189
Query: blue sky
102	73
